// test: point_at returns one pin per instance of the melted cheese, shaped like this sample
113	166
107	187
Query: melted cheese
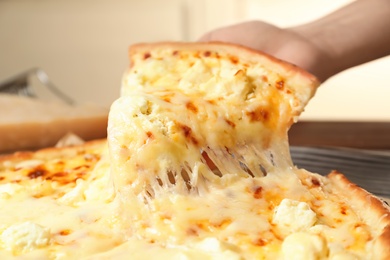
293	216
226	112
304	246
199	152
198	167
25	237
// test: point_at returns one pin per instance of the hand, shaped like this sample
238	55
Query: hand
350	36
285	44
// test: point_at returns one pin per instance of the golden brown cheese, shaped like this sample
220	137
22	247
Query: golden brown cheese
54	203
55	173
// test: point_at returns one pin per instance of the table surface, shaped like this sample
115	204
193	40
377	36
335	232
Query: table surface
357	134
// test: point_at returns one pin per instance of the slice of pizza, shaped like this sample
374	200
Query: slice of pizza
199	152
195	102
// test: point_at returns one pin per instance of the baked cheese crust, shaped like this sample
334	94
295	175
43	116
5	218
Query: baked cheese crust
196	166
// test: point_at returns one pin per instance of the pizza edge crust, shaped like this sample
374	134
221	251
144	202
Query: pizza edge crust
302	82
373	210
240	51
50	152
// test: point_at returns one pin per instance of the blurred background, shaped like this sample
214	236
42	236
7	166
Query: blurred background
82	45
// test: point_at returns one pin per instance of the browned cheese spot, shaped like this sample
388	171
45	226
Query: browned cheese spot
358	225
343	210
36	173
233	59
188	133
190	106
175	52
80	174
259	114
315	182
149	134
59	175
192	232
65	232
279	84
211	102
202	226
147	55
260	242
196	54
207	53
257	193
232	124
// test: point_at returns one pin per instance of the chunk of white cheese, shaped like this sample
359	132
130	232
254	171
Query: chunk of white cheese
293	216
76	195
218	249
8	190
25	237
304	246
338	252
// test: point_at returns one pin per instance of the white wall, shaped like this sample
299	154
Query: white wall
82	45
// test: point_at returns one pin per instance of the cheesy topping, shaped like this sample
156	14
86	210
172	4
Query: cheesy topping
293	216
304	246
197	167
198	146
25	237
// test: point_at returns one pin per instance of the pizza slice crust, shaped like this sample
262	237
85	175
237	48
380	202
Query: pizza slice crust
373	211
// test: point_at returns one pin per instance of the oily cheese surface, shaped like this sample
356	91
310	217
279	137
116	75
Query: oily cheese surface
300	209
196	166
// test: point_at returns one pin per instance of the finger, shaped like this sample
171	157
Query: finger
206	37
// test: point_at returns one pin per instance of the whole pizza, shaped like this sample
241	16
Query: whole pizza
196	165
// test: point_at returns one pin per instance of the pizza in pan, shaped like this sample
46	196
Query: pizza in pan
196	166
